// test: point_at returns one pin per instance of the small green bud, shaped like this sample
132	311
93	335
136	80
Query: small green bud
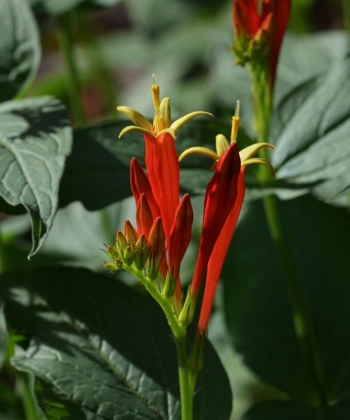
121	243
111	267
128	256
141	252
187	313
130	234
112	253
170	284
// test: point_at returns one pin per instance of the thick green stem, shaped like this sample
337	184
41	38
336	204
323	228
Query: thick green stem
66	43
346	13
302	321
29	404
179	333
186	391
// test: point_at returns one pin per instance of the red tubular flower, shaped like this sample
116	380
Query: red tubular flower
219	199
144	218
218	255
265	28
140	185
180	235
163	174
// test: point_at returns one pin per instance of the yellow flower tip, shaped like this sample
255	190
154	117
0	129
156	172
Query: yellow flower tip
199	151
135	128
258	161
183	120
136	117
222	144
252	150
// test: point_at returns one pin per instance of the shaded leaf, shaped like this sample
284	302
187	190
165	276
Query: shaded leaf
35	139
101	350
58	7
256	304
311	133
293	410
19	47
278	410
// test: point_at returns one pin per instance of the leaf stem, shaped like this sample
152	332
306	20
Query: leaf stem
179	333
302	321
66	43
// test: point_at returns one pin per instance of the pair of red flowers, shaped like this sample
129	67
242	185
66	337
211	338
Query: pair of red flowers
164	222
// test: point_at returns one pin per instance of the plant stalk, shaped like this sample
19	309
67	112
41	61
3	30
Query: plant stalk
346	14
302	321
66	44
179	333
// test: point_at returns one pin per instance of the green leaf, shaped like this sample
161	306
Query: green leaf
101	350
35	139
58	7
19	47
257	308
293	410
97	172
278	410
311	133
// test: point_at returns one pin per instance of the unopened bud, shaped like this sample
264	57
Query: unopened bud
128	256
130	234
111	267
187	313
121	243
112	253
170	285
141	252
157	248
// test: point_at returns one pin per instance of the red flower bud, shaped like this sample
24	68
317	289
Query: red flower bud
220	197
266	29
144	218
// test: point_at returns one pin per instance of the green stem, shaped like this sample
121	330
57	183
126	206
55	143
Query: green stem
98	63
302	321
29	404
66	43
346	13
3	258
186	391
179	333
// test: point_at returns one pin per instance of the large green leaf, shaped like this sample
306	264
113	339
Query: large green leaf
58	7
311	131
35	138
101	350
257	308
97	171
291	410
19	47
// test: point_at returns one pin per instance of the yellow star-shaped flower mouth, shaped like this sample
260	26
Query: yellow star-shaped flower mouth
222	144
162	117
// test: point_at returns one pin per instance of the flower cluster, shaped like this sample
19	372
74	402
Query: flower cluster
153	251
259	33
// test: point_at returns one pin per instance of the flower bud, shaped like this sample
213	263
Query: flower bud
128	256
121	243
157	248
130	234
141	252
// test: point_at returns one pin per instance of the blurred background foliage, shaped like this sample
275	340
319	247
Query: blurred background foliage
118	45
